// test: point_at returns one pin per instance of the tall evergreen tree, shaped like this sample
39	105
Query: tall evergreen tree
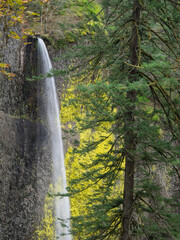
128	77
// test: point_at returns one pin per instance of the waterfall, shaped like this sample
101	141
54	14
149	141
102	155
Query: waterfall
62	209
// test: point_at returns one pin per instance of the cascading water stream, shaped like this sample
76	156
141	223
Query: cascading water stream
62	208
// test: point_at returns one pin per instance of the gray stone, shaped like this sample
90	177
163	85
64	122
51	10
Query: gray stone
24	157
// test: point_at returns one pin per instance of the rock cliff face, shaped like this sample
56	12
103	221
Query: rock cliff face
25	168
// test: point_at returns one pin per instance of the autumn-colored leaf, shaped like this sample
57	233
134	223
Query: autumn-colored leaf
32	13
14	35
4	65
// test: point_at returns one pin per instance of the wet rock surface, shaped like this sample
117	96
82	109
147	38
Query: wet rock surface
25	165
25	168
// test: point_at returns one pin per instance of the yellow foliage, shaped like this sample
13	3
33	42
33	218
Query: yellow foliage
13	12
14	35
78	205
3	67
46	229
74	161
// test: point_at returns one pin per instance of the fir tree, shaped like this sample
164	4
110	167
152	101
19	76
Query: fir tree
128	78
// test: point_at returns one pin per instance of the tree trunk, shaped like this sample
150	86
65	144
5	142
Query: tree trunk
130	136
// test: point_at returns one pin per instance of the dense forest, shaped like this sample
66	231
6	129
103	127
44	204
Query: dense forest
120	108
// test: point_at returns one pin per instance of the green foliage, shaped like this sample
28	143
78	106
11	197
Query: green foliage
93	190
55	20
105	75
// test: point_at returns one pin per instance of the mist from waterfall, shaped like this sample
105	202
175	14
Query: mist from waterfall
62	208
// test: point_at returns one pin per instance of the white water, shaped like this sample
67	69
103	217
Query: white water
62	209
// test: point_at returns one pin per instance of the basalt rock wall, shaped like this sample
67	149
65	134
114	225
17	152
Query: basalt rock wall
25	168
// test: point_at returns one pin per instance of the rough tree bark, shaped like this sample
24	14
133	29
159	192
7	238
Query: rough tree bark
130	136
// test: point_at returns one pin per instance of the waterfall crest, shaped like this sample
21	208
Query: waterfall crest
62	208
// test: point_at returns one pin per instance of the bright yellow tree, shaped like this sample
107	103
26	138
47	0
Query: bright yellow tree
76	160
